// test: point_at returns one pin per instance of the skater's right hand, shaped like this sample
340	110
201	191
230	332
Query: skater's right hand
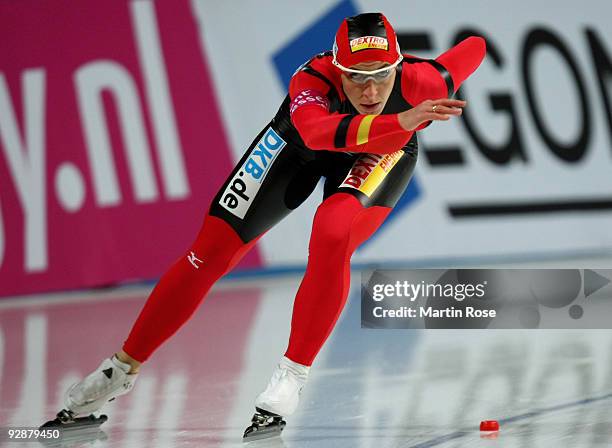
430	110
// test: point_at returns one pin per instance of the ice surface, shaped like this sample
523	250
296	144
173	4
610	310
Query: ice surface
368	388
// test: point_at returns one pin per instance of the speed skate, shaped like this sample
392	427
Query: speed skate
66	420
264	424
85	398
280	398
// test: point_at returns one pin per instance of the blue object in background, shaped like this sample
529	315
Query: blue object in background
317	38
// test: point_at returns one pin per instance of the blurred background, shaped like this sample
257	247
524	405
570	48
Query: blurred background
119	120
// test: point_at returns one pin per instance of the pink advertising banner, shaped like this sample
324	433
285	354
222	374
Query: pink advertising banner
111	142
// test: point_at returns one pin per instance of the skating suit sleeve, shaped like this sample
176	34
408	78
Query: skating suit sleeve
332	131
442	77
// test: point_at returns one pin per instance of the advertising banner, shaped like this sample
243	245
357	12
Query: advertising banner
111	145
118	123
524	173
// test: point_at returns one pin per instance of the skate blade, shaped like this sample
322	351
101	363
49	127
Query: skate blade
253	433
79	423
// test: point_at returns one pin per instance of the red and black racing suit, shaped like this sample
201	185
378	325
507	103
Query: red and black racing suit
367	162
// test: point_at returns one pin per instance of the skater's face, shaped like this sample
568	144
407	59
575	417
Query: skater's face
369	94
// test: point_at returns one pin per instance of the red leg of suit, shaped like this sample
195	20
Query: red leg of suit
340	225
182	288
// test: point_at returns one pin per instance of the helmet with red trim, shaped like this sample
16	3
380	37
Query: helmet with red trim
364	38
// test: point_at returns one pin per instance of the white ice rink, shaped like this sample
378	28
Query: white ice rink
368	388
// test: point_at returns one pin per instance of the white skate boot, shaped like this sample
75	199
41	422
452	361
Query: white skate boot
108	381
283	392
280	399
